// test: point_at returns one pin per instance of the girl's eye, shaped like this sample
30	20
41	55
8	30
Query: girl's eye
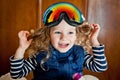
71	32
57	32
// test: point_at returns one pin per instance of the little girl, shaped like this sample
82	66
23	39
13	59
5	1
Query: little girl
60	48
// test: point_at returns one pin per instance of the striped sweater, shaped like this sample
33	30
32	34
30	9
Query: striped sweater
76	60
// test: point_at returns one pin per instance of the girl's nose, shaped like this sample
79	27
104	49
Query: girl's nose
63	36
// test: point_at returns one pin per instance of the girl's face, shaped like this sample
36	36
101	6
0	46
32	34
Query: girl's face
63	36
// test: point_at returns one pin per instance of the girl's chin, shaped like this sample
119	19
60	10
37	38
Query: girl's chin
63	50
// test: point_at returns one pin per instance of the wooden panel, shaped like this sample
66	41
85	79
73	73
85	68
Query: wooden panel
15	15
107	13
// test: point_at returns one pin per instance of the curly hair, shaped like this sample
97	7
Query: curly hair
41	41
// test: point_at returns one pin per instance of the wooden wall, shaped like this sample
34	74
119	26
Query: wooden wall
15	15
107	14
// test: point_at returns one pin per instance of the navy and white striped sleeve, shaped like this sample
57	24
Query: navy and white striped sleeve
20	67
96	62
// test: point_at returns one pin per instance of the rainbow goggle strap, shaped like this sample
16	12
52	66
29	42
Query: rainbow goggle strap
63	10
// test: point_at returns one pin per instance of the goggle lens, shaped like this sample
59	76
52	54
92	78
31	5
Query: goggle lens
52	14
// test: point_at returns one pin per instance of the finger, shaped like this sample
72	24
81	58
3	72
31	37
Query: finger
96	26
23	34
20	34
26	33
30	40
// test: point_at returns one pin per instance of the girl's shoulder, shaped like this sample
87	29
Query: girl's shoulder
78	50
40	55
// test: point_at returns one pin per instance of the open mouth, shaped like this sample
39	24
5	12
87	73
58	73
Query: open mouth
63	45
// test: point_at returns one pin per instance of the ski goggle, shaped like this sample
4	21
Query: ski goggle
63	10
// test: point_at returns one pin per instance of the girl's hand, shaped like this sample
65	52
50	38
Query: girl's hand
94	35
23	44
